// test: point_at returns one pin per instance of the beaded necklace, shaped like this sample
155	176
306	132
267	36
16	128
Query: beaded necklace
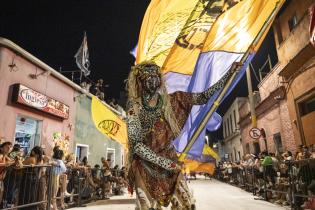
146	105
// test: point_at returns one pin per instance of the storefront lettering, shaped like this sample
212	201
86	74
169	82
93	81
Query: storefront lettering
33	98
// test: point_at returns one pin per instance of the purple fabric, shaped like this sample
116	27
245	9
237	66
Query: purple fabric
210	68
133	52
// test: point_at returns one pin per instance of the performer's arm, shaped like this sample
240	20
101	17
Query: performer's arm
140	149
203	97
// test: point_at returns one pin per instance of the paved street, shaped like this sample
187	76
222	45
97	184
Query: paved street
209	194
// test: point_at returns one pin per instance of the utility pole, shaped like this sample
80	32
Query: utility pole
251	98
252	104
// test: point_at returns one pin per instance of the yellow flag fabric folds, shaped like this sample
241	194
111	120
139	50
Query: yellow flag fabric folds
161	25
233	31
208	151
193	165
186	49
108	123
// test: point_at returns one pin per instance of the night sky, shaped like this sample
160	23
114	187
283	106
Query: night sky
53	32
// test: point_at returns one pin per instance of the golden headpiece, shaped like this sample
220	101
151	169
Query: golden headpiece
144	69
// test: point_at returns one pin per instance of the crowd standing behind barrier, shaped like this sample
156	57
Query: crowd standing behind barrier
38	182
284	179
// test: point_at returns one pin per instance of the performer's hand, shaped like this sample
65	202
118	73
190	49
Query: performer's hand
175	166
236	66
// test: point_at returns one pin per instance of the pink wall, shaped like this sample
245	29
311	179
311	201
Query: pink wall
45	84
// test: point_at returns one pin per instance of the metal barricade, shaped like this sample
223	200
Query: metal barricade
26	187
292	184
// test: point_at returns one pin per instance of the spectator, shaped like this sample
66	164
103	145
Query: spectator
16	152
5	161
268	166
312	151
30	178
106	183
58	169
84	161
99	89
115	171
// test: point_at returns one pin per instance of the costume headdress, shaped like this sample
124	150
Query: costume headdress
144	69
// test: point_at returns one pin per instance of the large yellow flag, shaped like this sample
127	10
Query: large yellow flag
108	123
161	25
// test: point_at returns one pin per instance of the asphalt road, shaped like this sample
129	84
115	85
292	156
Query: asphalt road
209	194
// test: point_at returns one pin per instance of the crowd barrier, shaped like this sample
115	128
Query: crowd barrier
293	183
38	187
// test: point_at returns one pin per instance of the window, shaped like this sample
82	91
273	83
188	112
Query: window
82	150
27	133
228	123
256	147
234	113
307	106
224	129
247	148
278	31
278	142
292	22
111	156
232	130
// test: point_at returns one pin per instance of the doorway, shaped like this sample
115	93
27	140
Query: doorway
110	155
27	133
81	151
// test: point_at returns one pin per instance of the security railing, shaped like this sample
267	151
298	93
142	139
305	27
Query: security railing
39	187
291	184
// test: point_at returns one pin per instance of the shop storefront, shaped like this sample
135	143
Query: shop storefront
35	102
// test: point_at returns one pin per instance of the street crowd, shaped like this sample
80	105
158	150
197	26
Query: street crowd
29	181
285	179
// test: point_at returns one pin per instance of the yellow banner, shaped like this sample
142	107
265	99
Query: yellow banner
161	25
235	30
208	151
220	27
108	123
193	165
185	51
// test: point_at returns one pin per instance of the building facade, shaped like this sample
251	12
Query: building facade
287	108
89	142
39	105
297	58
32	109
232	142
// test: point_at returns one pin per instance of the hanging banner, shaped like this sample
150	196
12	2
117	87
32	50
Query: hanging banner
108	123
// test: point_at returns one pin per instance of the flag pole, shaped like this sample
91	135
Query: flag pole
235	69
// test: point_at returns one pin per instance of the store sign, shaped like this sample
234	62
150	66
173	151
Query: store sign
26	96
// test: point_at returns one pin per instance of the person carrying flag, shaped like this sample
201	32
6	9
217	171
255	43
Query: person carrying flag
155	118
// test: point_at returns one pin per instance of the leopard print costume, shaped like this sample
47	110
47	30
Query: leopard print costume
152	155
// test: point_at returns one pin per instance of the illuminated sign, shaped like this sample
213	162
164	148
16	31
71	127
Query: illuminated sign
27	96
